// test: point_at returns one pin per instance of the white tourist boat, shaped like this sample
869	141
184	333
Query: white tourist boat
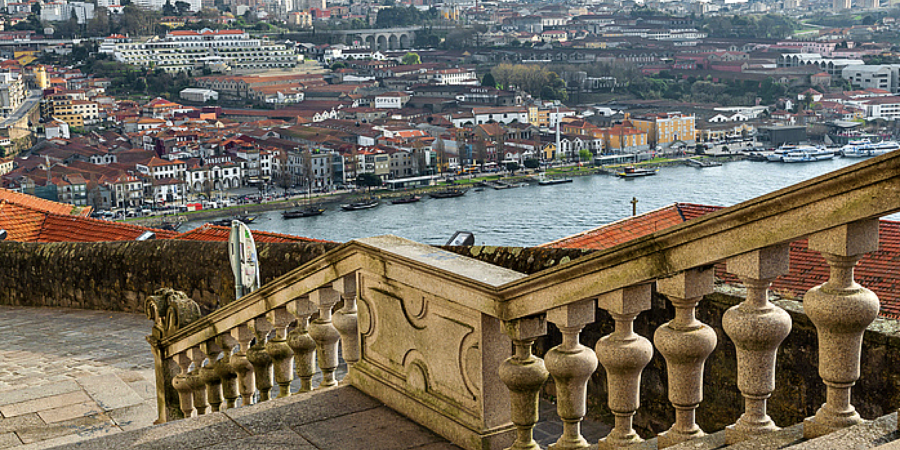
864	148
800	153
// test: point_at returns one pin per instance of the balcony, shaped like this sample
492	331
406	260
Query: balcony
446	337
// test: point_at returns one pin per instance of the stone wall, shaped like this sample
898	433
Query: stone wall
118	276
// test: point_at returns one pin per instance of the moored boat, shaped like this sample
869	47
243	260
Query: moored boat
544	181
405	199
365	204
303	212
634	172
227	221
864	148
807	155
448	193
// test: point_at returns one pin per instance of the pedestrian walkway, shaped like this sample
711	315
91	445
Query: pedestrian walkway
68	375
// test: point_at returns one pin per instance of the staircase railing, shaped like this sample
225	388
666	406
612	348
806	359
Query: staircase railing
427	331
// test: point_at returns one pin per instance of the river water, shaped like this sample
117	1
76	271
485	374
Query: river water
533	215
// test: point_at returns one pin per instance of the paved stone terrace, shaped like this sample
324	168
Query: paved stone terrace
69	375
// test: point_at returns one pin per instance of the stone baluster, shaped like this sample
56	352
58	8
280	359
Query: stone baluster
326	336
196	380
841	310
280	351
524	374
226	372
260	358
182	384
757	328
241	365
345	320
624	354
571	366
302	344
685	343
208	374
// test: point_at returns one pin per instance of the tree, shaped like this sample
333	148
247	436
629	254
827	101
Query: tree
584	155
410	58
532	163
512	167
489	80
368	179
169	9
182	7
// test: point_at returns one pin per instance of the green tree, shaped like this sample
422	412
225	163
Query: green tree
182	7
410	58
512	167
489	80
368	179
532	163
584	155
169	9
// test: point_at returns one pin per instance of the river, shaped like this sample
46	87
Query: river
533	215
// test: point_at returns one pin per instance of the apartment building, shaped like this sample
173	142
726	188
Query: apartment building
12	92
665	129
217	50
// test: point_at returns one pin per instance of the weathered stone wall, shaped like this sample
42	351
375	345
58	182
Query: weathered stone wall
118	276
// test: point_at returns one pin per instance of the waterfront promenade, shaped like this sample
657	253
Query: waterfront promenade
69	375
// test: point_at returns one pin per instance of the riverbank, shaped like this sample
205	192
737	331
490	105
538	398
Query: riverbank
338	198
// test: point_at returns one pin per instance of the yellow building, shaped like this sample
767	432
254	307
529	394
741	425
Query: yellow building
538	117
25	57
41	78
624	138
666	128
73	120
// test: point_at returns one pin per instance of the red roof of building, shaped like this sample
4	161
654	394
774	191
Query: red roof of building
877	271
216	233
43	205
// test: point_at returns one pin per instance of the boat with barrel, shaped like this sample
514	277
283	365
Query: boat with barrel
448	193
362	204
308	211
635	172
405	199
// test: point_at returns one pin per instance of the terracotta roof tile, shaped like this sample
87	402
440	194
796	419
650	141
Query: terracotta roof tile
43	205
217	233
80	229
21	224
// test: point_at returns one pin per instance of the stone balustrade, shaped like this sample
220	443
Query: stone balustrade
447	340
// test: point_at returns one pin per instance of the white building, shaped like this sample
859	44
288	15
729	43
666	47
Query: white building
500	114
444	77
391	100
185	50
12	92
883	76
60	11
198	95
56	129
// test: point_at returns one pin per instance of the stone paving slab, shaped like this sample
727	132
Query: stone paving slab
69	375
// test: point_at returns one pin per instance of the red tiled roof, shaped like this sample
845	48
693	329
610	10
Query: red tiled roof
81	229
22	224
43	205
217	233
877	271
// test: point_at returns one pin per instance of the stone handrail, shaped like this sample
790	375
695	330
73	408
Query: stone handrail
431	334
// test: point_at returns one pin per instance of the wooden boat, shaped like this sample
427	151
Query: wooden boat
544	181
406	199
302	212
355	206
633	172
448	193
227	222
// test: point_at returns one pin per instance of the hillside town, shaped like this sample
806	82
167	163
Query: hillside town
309	96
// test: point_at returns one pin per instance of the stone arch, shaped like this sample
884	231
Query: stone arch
382	42
197	186
370	42
404	40
393	42
217	185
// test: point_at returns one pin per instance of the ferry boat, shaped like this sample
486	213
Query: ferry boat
807	155
633	172
864	148
800	153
